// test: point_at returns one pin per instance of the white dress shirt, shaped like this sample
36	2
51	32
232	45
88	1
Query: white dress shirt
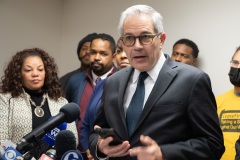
102	76
149	82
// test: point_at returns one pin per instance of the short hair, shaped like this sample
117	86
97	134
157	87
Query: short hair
190	44
12	79
142	10
107	37
238	49
88	38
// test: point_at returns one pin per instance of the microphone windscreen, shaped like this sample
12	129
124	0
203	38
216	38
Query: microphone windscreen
72	112
72	155
65	141
50	136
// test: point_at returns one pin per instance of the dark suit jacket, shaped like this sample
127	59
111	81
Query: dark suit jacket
180	113
75	87
64	79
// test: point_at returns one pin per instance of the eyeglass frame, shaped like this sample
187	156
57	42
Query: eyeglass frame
235	63
139	38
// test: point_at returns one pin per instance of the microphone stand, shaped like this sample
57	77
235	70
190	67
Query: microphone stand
23	145
36	147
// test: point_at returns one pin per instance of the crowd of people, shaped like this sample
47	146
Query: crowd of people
161	107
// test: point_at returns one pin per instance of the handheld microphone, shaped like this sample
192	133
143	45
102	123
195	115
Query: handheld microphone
68	113
50	136
65	141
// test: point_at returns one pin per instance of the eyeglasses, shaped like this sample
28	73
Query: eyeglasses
144	39
234	63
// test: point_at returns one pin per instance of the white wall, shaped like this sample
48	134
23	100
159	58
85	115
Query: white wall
58	25
28	24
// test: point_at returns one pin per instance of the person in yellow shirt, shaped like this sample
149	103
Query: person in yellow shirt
229	109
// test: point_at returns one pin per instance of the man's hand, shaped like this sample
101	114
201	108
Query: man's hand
89	156
112	151
151	150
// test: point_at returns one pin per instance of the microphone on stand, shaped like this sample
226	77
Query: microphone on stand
68	113
50	136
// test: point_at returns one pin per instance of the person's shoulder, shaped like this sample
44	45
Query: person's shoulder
225	97
76	77
188	67
181	67
5	96
225	94
70	73
121	73
187	70
60	101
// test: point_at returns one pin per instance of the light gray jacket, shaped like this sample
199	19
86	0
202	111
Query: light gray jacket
16	116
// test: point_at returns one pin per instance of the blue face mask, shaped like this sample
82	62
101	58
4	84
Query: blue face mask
234	75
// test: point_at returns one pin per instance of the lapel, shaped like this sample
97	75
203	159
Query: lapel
165	77
122	88
81	81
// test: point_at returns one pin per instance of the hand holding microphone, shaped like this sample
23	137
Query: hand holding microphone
50	155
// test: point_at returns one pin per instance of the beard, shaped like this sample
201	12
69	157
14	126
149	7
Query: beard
97	67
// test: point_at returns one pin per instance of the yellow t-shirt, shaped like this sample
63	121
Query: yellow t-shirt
228	105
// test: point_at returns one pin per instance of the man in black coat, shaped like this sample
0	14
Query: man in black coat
177	118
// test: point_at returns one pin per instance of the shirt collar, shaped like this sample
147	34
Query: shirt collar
154	72
102	76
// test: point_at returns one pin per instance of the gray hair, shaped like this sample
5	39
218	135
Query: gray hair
142	10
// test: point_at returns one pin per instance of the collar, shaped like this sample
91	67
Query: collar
110	72
154	72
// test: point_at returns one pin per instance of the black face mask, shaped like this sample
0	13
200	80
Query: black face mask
234	75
